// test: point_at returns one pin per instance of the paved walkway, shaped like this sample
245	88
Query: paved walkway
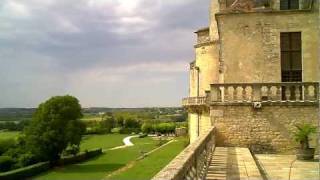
232	163
277	167
126	141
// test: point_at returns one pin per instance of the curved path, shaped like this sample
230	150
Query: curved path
126	142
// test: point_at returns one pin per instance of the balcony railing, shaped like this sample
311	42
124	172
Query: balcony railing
261	4
192	162
194	101
265	92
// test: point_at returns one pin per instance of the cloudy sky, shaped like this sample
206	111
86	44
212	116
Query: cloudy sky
107	53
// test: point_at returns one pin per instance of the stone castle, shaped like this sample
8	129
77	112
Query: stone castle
255	74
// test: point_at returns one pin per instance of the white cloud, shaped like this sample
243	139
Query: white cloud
66	26
15	9
105	52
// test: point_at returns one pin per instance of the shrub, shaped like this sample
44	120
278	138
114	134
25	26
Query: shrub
72	150
80	157
129	130
6	144
303	133
116	130
26	159
146	128
143	135
26	172
131	123
6	163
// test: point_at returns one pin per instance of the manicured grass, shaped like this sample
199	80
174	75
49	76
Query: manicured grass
148	167
102	141
9	134
100	167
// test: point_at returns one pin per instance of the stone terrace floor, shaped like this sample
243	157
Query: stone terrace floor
232	163
277	167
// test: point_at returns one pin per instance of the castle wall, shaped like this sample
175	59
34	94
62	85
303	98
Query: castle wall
193	82
193	126
269	129
250	44
208	62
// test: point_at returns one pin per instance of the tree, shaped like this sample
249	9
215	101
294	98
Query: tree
146	128
107	124
54	126
131	123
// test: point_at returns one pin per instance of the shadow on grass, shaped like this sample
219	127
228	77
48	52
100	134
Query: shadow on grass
89	168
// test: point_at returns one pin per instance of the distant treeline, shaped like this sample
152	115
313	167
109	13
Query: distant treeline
13	126
135	122
20	114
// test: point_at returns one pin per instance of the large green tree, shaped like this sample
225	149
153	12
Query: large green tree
55	126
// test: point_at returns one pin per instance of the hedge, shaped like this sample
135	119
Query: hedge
38	168
25	172
79	157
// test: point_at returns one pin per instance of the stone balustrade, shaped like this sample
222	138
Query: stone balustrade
192	162
273	5
194	101
295	92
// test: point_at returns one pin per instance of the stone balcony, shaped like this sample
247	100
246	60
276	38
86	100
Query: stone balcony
259	5
194	101
295	93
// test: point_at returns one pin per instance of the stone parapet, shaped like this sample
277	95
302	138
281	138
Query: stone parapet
191	163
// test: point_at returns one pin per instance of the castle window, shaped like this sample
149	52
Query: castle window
289	4
291	57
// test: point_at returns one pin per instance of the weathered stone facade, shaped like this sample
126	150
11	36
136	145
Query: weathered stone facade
269	129
243	46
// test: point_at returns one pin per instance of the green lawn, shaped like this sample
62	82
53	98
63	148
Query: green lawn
9	134
100	167
148	167
102	141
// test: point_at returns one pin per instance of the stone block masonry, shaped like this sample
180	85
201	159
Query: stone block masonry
269	129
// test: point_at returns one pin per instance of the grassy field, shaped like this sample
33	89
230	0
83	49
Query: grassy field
113	160
99	168
9	134
102	141
146	168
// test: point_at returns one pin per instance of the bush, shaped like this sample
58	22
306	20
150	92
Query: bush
26	159
143	135
6	144
131	123
116	130
80	157
147	128
26	172
72	150
165	128
129	130
6	163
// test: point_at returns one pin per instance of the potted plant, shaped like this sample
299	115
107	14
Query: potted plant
302	137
